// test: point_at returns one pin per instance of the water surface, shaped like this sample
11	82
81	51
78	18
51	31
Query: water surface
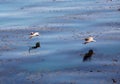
63	25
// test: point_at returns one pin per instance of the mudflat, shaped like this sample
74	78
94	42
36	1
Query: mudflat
58	55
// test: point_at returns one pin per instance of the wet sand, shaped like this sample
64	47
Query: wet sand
63	25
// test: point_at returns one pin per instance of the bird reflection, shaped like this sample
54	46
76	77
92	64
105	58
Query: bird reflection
88	55
37	45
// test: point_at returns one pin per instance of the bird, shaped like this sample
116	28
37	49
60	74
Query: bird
33	34
89	39
88	55
37	45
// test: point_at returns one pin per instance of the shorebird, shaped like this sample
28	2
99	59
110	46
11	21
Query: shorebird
88	55
89	39
33	34
37	45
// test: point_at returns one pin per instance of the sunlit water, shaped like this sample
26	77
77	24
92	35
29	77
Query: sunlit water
63	25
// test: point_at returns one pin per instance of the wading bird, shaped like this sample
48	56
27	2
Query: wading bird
89	39
33	34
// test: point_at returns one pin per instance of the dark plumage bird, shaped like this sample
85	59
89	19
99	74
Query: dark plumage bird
88	55
37	45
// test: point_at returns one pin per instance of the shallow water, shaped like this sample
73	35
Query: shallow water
62	24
